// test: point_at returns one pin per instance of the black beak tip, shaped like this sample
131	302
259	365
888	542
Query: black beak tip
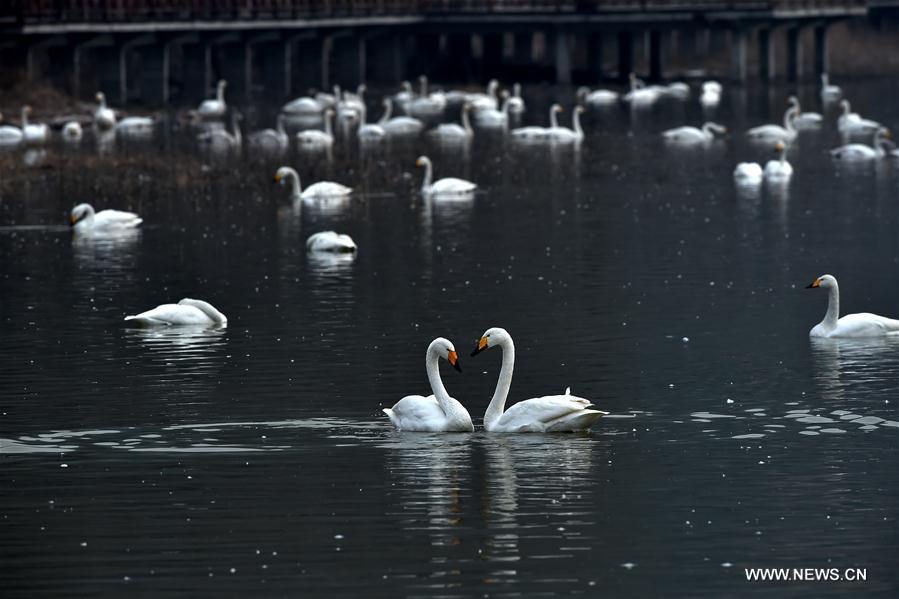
457	366
811	286
475	351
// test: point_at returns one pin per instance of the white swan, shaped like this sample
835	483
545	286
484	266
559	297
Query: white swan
104	117
33	133
558	134
328	100
303	106
491	118
451	132
552	413
679	90
829	93
135	126
851	123
693	135
86	221
639	94
516	102
748	173
185	313
320	190
404	97
597	98
10	135
485	101
851	325
775	133
214	108
427	105
399	126
270	141
315	139
220	141
804	120
861	152
72	132
533	133
711	94
436	413
448	186
374	132
329	241
780	169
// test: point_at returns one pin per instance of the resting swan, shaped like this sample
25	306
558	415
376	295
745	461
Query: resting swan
829	93
448	186
186	312
320	190
214	108
850	123
775	133
552	413
692	135
329	241
804	120
10	135
33	133
104	117
861	152
597	98
851	325
72	132
86	221
436	413
780	169
270	141
449	132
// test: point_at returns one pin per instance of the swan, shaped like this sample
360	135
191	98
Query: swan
829	93
780	169
427	106
748	173
851	325
303	112
33	133
442	187
135	126
516	102
356	101
372	132
564	134
184	313
404	97
679	90
692	135
861	152
315	139
399	125
436	413
320	190
104	117
329	241
485	101
270	141
538	133
597	98
711	93
639	94
328	100
86	221
72	131
491	118
552	413
214	109
220	141
10	135
775	133
805	120
448	132
852	123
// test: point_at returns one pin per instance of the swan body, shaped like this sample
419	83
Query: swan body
329	241
437	413
748	173
303	106
86	221
135	126
104	117
185	313
427	106
220	141
640	95
270	141
315	139
776	133
851	325
516	102
678	89
491	118
780	169
33	133
851	123
485	101
214	108
10	135
829	93
320	190
558	134
449	132
693	135
448	186
804	120
861	152
598	97
551	413
72	131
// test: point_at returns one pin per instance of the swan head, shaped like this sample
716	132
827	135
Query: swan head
100	97
793	101
824	282
844	104
491	337
222	84
444	349
283	174
422	161
80	212
557	108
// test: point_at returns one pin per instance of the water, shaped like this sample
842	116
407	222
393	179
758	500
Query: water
254	461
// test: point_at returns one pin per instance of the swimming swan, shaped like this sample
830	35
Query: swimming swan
444	187
693	135
552	413
436	413
320	190
447	132
315	139
10	135
851	325
804	120
86	221
861	152
780	169
186	312
329	241
33	133
214	108
597	98
829	93
852	123
775	133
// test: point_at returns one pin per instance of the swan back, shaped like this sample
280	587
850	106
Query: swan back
205	307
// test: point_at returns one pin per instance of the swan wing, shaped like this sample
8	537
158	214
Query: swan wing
767	132
326	189
417	413
853	152
171	314
535	415
110	219
452	185
865	325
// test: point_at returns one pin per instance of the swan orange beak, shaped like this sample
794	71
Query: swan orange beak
418	163
482	345
815	283
73	219
453	358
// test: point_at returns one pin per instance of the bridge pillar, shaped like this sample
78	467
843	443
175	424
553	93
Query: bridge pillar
766	55
625	54
524	48
563	56
427	49
594	55
347	60
794	53
738	45
492	60
263	56
656	69
822	60
196	71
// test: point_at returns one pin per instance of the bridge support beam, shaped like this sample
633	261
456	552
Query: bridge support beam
738	54
625	54
268	70
822	60
656	69
794	54
594	55
562	45
196	76
766	55
524	48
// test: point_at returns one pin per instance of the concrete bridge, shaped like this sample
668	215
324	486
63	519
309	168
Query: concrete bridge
158	51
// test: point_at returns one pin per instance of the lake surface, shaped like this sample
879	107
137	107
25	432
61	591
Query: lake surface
255	460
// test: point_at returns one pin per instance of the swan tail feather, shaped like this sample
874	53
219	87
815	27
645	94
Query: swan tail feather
576	421
392	416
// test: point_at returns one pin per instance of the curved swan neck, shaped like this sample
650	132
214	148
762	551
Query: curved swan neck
102	98
576	123
423	87
432	365
788	117
235	124
553	122
295	188
388	109
466	123
498	402
426	182
24	117
220	92
833	307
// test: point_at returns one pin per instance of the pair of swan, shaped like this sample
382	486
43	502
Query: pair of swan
861	152
450	132
693	135
442	188
851	325
441	413
851	123
214	108
104	116
775	133
553	133
85	221
187	312
776	171
321	190
270	141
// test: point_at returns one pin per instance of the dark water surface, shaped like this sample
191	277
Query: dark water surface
254	460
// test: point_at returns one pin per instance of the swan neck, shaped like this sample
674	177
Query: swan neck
220	93
24	118
426	182
235	124
328	124
553	122
388	109
576	123
833	307
498	402
788	118
281	129
296	188
432	364
466	123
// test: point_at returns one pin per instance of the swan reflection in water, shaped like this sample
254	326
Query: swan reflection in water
843	364
109	255
179	359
